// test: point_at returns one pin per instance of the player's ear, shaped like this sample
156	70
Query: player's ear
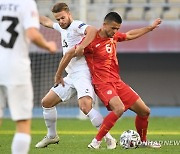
70	16
104	24
69	13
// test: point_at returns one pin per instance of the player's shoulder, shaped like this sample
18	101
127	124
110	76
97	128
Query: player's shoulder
57	27
118	33
29	3
19	5
78	24
119	36
15	2
25	4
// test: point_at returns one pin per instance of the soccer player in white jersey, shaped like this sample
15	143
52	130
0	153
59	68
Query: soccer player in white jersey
78	79
19	24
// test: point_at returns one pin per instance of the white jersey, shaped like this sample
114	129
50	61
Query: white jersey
69	38
15	17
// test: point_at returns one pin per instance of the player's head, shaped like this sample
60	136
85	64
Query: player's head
62	14
112	23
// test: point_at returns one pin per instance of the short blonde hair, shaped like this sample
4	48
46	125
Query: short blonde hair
59	7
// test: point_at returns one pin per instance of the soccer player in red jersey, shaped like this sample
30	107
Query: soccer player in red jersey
116	95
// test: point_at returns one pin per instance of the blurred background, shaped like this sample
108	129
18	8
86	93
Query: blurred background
150	64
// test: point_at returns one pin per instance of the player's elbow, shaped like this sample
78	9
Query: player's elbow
33	34
129	37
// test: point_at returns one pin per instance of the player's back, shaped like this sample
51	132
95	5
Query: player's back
13	14
14	56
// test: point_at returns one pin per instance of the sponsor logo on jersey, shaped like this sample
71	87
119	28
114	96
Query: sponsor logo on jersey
81	25
109	92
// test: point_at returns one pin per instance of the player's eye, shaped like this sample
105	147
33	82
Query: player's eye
115	28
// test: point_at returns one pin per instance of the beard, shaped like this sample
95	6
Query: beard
110	35
66	25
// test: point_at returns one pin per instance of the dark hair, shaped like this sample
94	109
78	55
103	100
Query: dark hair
60	7
113	16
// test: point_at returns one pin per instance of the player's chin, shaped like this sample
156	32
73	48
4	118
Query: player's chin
111	35
64	26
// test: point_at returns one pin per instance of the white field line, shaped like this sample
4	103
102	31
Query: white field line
8	132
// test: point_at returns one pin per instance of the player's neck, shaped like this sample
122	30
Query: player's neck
102	33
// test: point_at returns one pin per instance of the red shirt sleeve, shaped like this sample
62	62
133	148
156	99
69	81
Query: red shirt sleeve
119	37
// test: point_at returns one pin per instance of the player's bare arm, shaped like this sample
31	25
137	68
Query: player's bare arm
45	21
58	79
90	33
135	33
36	37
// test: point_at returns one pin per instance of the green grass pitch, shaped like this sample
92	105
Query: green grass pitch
76	134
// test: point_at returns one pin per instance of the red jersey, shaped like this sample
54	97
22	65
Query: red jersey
102	60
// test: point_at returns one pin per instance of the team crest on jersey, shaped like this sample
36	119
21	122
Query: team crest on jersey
68	35
87	91
81	25
109	92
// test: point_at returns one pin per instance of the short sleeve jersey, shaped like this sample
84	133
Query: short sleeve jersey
16	16
102	60
69	38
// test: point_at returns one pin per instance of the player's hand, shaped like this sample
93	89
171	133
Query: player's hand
156	23
79	51
52	47
58	79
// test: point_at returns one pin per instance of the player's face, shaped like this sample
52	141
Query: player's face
110	28
64	18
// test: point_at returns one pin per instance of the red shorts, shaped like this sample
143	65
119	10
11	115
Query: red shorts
107	91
